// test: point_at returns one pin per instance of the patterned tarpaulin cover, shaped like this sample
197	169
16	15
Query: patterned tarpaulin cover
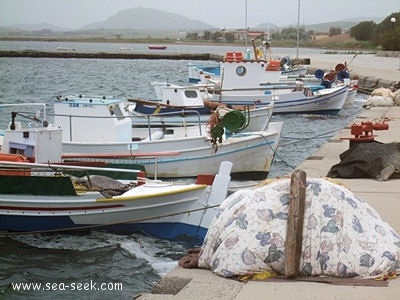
342	235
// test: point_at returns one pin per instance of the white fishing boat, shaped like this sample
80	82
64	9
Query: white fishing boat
254	83
102	127
192	104
198	72
38	193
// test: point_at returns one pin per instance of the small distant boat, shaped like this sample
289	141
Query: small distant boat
155	47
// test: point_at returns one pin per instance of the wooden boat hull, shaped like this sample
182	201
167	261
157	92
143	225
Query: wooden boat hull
161	210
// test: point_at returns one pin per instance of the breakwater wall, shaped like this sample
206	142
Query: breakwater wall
109	55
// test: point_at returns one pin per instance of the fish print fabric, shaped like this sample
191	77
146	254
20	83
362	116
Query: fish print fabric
343	236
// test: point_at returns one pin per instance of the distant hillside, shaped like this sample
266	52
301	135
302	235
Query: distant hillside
324	27
147	18
142	22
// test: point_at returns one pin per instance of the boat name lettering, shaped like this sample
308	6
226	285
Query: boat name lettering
80	105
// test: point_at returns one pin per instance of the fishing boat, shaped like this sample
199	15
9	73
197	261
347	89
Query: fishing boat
196	105
338	77
38	193
100	131
197	72
256	82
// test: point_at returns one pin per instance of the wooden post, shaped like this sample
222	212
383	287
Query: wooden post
294	232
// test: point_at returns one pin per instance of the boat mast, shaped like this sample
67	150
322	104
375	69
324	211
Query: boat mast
245	23
298	29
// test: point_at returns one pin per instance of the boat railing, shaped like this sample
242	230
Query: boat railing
183	113
261	87
150	122
69	164
113	156
40	118
34	116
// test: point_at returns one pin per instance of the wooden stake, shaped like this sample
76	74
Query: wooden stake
294	233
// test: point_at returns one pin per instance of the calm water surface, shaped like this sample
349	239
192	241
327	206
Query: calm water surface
63	261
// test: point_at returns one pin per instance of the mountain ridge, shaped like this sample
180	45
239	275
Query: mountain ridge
142	18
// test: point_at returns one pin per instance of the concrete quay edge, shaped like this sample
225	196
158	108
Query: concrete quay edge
384	196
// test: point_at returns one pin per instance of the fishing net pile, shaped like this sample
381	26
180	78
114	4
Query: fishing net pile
367	160
342	235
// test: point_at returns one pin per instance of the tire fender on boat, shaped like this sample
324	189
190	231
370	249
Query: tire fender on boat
326	84
319	74
343	75
285	61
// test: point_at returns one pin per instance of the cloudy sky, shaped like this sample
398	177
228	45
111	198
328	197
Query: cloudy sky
73	14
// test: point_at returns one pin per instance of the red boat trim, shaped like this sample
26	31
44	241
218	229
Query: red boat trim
28	208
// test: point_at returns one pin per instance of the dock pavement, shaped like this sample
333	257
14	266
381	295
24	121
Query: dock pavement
384	196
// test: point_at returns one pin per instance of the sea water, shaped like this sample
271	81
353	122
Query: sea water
100	264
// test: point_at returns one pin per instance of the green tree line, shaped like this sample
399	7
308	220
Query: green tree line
385	35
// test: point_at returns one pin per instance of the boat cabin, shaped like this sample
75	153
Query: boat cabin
93	119
174	95
40	145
